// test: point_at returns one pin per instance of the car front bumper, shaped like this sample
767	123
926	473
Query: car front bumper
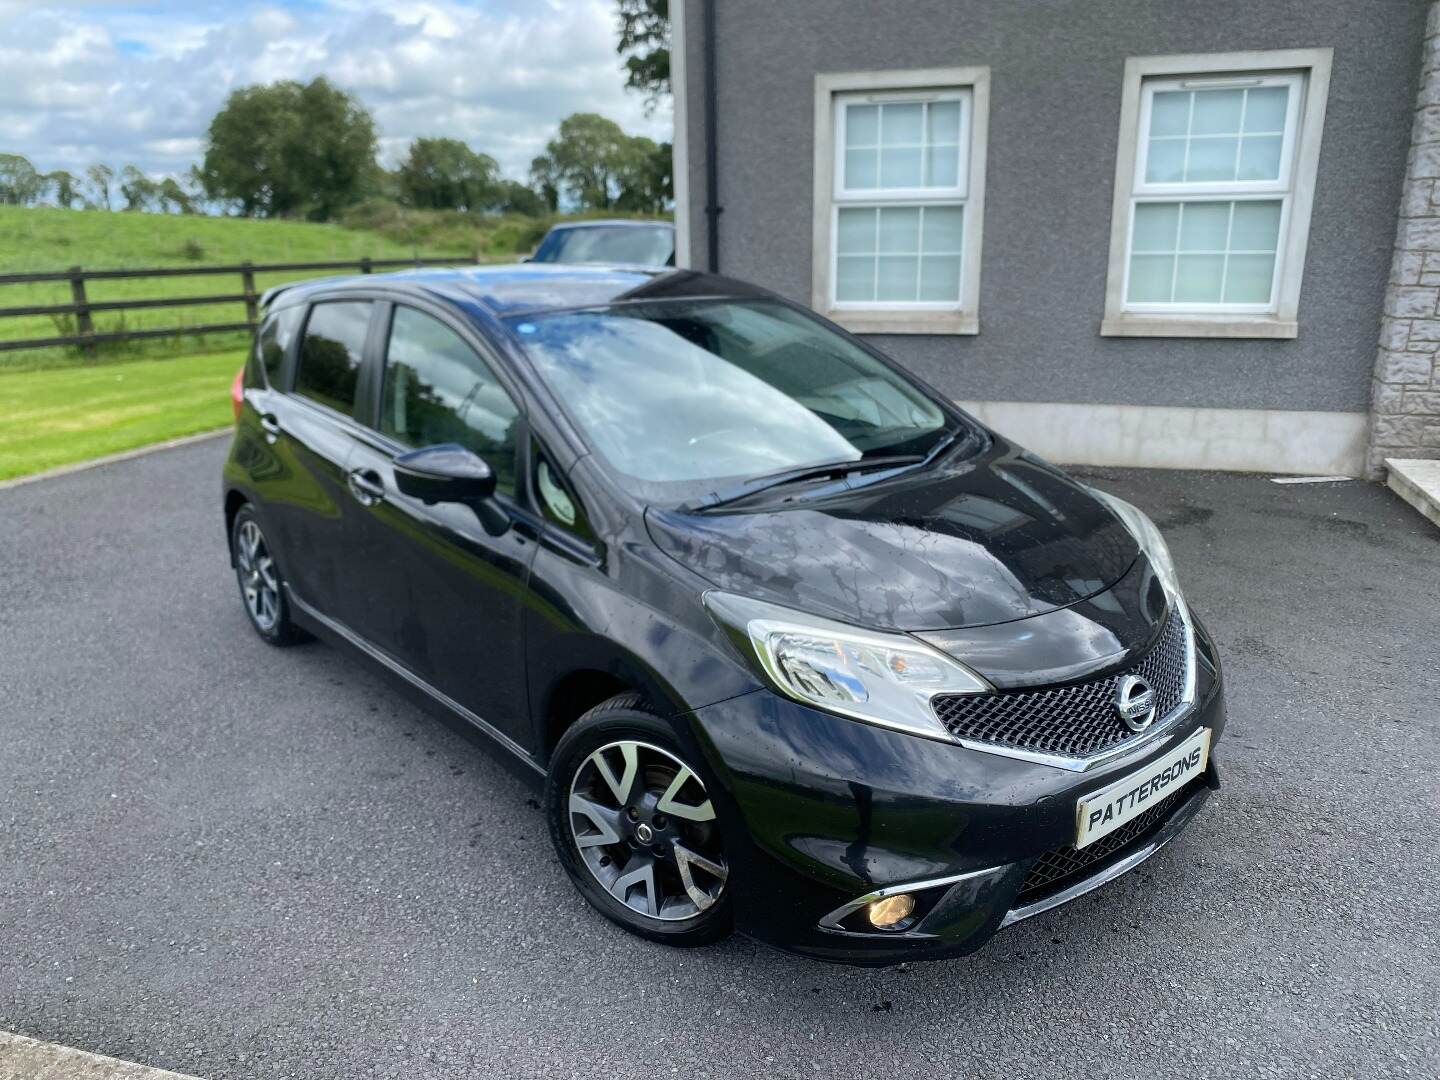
826	813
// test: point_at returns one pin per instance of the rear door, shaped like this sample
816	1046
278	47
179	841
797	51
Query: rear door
443	595
313	431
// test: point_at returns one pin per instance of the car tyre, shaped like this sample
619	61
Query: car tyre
262	586
633	824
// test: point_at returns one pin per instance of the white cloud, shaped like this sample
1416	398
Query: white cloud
123	83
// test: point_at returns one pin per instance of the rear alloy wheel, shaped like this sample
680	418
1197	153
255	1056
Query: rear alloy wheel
635	826
261	586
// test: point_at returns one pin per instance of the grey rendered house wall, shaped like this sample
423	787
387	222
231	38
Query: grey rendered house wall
1056	82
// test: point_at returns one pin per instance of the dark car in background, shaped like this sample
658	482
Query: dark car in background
609	242
790	643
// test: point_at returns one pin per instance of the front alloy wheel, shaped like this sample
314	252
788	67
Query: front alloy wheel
644	827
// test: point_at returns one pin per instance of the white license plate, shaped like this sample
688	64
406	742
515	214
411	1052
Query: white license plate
1102	812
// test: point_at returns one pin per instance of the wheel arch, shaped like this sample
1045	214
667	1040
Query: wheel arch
234	500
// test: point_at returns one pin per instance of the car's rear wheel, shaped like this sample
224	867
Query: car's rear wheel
635	828
262	588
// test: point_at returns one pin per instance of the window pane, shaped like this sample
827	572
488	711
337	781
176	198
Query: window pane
944	229
862	125
902	124
897	277
1198	278
942	166
274	340
1151	277
437	390
1155	226
1170	113
857	231
1265	108
900	230
1204	226
1217	112
900	168
944	122
330	354
1212	159
1165	163
1248	278
940	278
862	169
1260	157
855	278
1257	226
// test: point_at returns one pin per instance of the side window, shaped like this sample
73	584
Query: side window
556	498
330	353
273	340
438	390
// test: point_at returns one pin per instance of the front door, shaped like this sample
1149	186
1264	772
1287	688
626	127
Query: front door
441	594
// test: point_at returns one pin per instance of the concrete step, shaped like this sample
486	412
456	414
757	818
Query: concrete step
1416	481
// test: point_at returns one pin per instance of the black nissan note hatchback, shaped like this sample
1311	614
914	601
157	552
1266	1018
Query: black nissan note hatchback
792	644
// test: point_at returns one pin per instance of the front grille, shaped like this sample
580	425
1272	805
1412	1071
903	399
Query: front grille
1076	720
1057	869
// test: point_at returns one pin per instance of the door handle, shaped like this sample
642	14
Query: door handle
270	426
366	486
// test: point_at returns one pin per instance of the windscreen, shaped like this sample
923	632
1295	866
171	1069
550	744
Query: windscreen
688	391
599	244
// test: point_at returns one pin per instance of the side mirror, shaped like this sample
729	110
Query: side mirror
528	258
444	473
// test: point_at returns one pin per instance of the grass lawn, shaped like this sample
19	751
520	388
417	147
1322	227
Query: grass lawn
50	418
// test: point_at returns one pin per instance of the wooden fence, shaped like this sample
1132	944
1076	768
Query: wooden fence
82	308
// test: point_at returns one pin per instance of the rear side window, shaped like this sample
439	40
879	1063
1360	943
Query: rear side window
273	341
438	390
330	353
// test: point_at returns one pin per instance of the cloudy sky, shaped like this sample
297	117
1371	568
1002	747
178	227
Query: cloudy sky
137	83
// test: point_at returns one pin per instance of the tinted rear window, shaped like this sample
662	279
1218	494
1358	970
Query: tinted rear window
330	353
274	340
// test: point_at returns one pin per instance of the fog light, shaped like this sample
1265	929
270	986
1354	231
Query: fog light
890	912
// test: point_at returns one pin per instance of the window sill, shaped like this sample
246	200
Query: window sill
904	322
1199	326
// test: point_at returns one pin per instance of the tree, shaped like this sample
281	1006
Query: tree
65	187
20	184
588	160
137	189
645	185
290	149
98	179
545	176
645	44
513	197
445	174
173	198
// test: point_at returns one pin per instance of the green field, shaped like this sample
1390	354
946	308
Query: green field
39	238
51	418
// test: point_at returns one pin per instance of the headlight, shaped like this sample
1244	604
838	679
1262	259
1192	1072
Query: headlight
882	678
1149	539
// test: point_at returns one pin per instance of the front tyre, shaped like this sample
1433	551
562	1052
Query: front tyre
262	589
634	826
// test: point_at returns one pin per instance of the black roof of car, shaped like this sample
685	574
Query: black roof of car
509	290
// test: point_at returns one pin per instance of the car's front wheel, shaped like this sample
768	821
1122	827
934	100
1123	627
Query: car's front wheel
634	826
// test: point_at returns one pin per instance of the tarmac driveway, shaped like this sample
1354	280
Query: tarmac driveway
234	861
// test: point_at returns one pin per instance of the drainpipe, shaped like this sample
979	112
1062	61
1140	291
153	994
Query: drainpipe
712	172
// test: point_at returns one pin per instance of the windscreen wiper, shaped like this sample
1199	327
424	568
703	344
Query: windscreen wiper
830	470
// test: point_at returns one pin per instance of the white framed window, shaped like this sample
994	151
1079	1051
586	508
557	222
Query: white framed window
1214	180
899	191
